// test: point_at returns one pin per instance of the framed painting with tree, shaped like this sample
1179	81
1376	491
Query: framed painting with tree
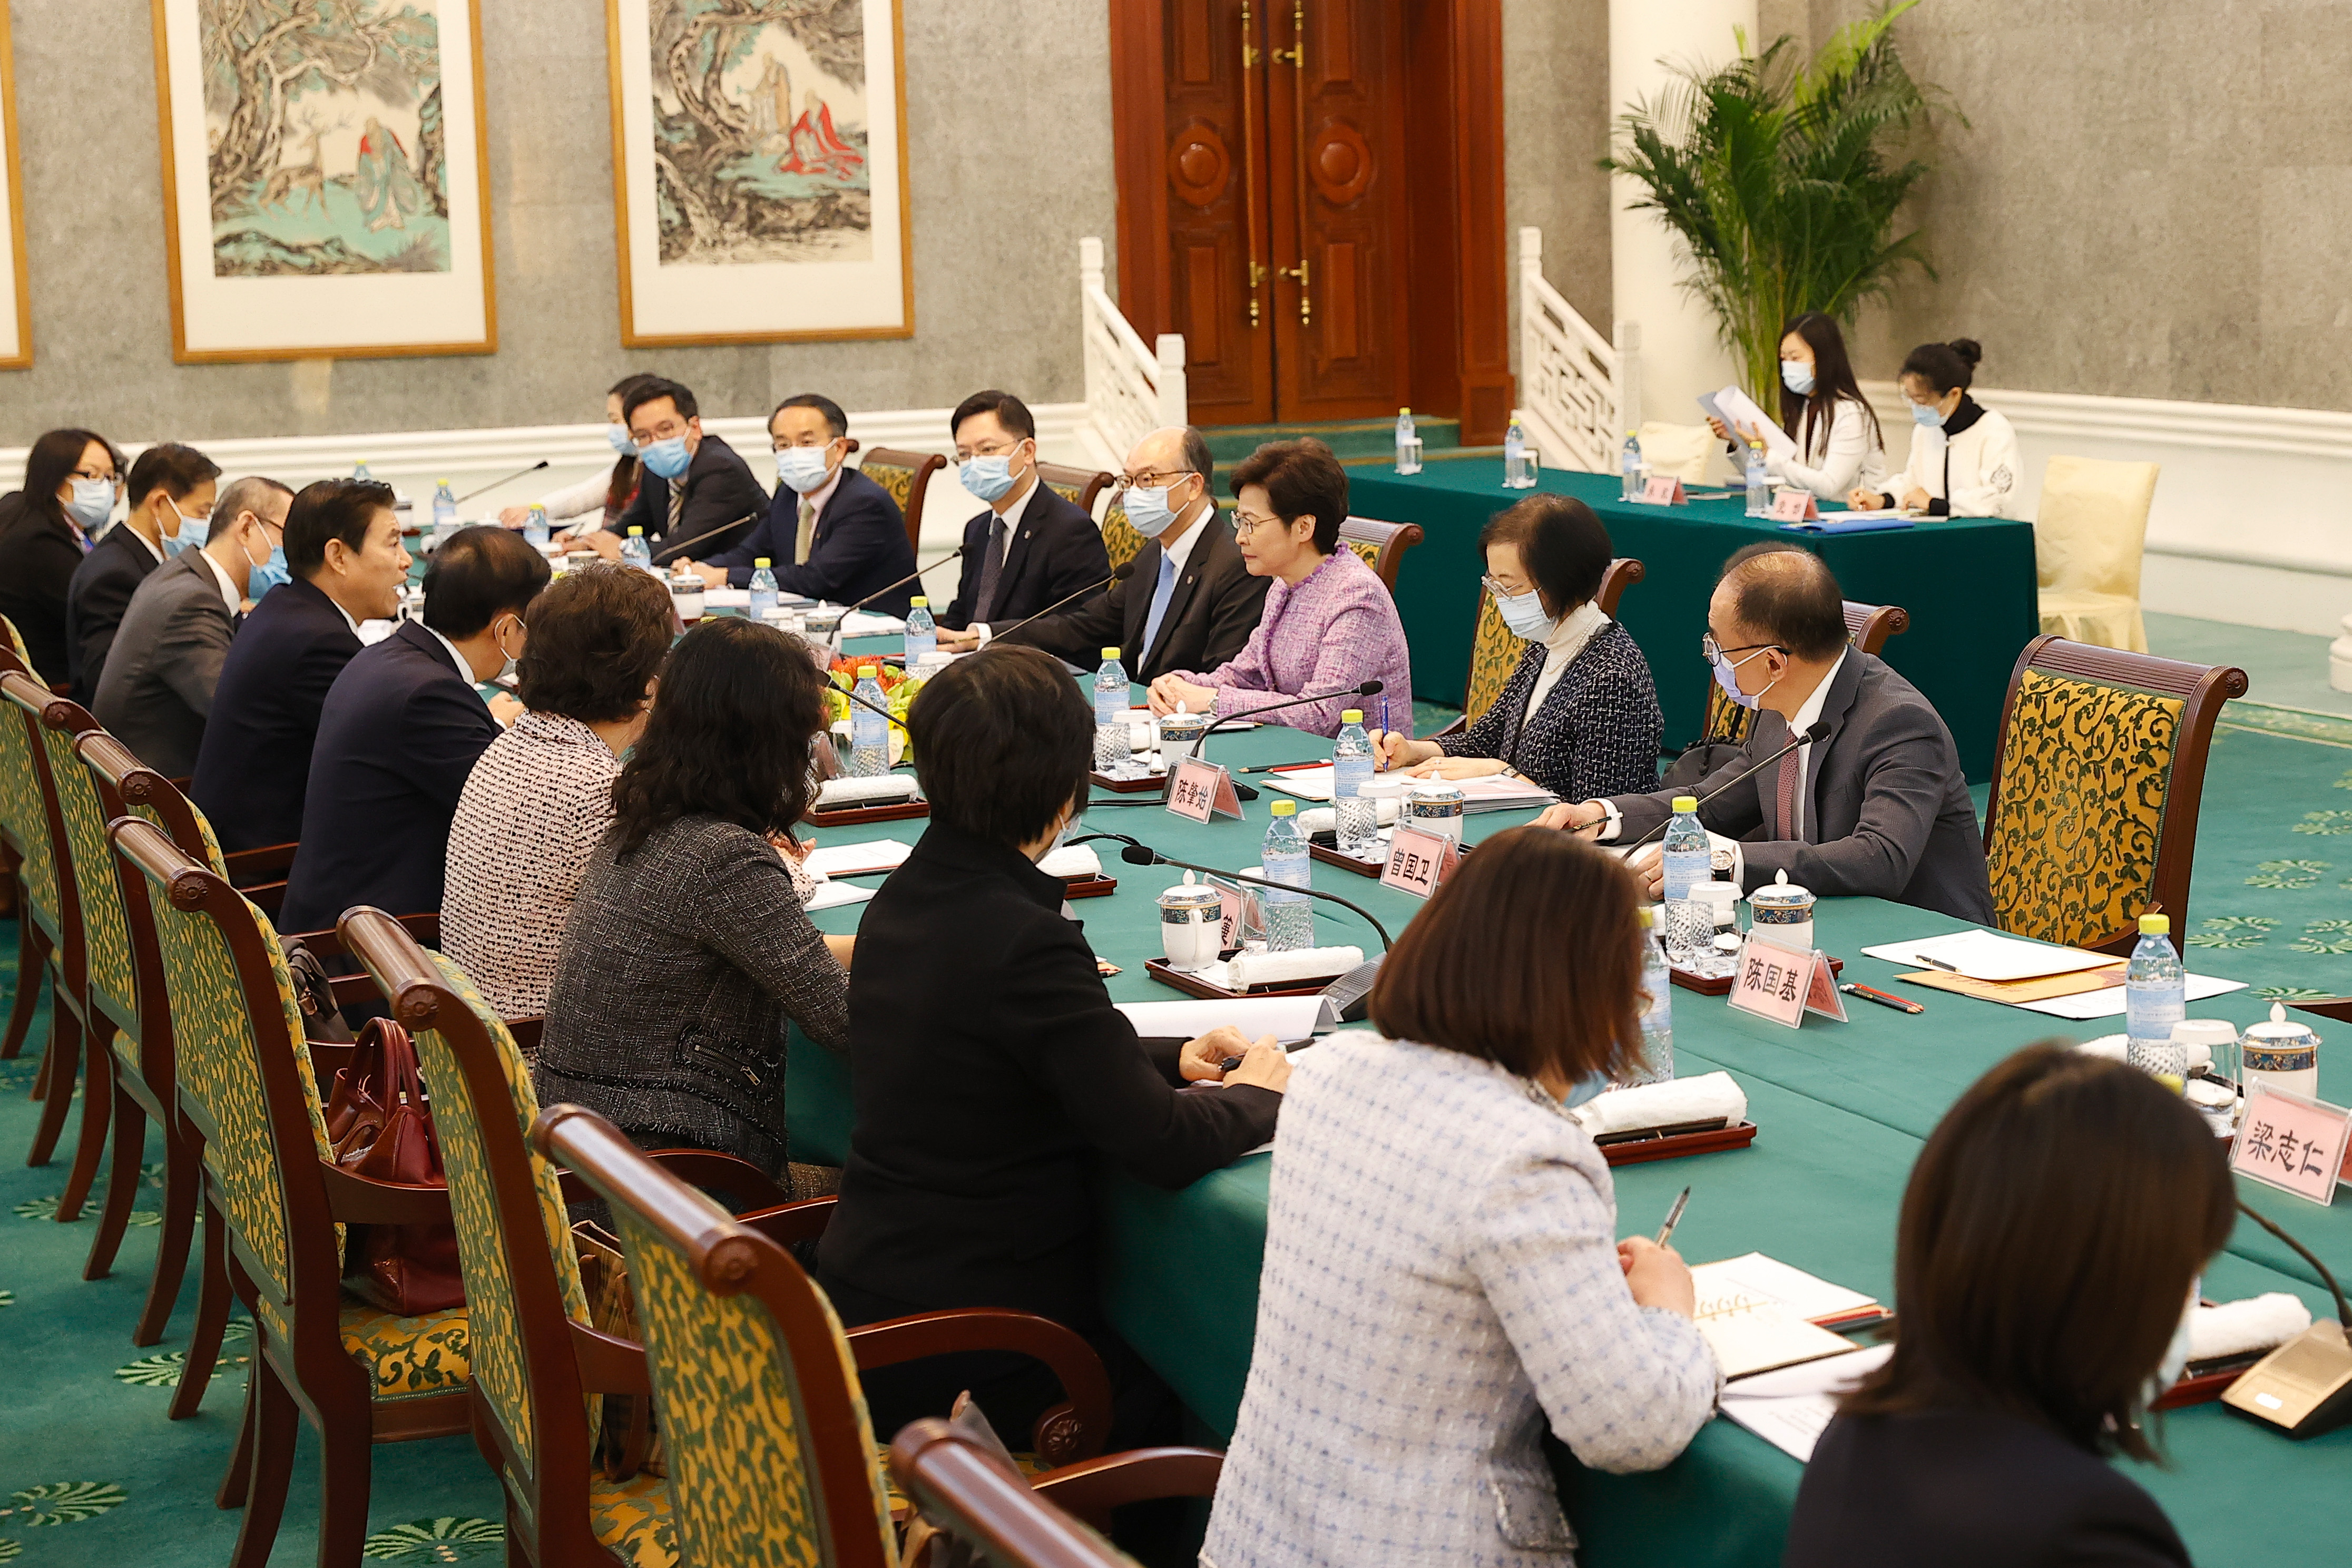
15	308
326	179
760	170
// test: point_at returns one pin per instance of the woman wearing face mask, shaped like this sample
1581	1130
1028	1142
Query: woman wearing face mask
1964	460
1579	715
1839	448
2046	1262
71	482
598	499
1418	1338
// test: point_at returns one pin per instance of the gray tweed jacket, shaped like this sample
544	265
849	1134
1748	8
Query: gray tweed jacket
682	966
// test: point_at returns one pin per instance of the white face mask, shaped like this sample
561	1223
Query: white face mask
509	667
1524	615
803	468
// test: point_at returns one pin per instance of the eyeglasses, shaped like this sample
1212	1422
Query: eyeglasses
1157	478
106	474
1501	589
668	430
988	448
1244	524
1714	650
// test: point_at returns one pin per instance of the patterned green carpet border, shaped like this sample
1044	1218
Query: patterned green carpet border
2295	723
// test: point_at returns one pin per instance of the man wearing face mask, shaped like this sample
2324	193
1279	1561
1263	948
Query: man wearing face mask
1878	807
402	729
1190	604
167	660
170	493
831	532
697	497
1030	548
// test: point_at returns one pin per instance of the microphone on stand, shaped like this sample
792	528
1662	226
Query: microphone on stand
1121	574
1242	791
1137	853
669	550
494	484
834	645
1819	730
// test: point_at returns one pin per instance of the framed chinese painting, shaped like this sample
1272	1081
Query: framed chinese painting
326	179
15	308
760	170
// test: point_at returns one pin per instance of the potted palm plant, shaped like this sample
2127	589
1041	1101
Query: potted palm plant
1785	180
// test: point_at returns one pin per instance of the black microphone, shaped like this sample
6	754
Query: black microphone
1242	791
1121	574
832	643
669	550
510	479
1144	855
852	694
2343	1308
1819	730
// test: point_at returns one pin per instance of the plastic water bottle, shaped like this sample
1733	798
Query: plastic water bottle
635	551
1289	917
359	472
2154	1001
1112	749
1358	815
1657	1007
1630	464
1408	445
922	632
764	589
1759	481
1687	859
534	528
1515	458
869	732
444	512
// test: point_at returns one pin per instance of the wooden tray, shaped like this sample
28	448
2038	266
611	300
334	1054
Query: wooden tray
1346	862
851	816
1673	1142
1194	986
1721	984
2204	1387
1090	887
1158	782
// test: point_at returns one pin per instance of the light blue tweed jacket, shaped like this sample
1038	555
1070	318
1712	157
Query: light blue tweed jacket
1440	1280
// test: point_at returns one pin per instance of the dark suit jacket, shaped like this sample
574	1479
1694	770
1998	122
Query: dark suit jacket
1057	550
253	766
719	489
166	664
1888	814
860	546
1211	611
401	731
95	599
1968	1489
39	557
992	1079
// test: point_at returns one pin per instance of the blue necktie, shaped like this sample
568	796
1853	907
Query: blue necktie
1160	596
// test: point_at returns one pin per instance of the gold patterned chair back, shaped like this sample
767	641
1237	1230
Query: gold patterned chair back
24	801
1380	545
905	477
1727	722
110	965
771	1454
1495	652
1120	542
16	643
1079	486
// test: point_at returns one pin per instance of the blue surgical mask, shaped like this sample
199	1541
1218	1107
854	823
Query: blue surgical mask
1727	677
1524	614
93	501
268	575
667	458
1928	415
802	469
193	532
1147	511
619	436
989	479
1589	1087
1797	376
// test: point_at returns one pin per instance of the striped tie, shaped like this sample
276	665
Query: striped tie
1792	775
677	505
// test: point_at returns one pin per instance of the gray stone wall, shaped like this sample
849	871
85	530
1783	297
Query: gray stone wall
1556	123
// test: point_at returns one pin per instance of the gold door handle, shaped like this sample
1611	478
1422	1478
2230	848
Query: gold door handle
1249	50
1296	54
1257	277
1305	302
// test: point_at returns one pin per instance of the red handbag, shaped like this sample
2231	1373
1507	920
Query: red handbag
381	1127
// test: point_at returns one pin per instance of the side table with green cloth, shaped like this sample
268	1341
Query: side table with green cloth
1968	583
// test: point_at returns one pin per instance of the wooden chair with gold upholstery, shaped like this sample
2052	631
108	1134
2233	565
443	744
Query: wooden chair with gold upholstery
1867	627
16	822
1120	542
1079	486
1381	544
361	1375
757	1385
907	477
974	1497
2097	778
1496	649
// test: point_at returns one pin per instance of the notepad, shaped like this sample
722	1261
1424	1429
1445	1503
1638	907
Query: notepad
858	859
1988	955
1791	1407
1284	1017
1757	1314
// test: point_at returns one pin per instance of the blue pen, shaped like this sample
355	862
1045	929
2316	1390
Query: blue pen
1384	713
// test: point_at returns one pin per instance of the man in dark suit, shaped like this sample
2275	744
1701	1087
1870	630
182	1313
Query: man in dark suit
167	660
343	550
1878	807
402	730
693	483
1031	547
1191	602
831	533
171	491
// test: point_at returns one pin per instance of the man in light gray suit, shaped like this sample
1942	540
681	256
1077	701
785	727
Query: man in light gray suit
157	687
1877	807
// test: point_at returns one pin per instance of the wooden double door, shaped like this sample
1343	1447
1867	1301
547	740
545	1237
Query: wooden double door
1311	192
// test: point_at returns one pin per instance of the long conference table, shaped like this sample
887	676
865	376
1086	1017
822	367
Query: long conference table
1968	581
1840	1108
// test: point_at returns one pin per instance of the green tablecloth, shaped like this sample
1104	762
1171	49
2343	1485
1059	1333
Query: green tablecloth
1968	581
1841	1109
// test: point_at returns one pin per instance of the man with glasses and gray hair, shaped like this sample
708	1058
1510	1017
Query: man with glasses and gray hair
1191	603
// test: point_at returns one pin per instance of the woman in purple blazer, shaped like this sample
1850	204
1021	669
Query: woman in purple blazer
1328	624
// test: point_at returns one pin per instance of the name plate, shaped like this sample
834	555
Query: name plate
1199	790
1238	915
1664	489
1794	505
1773	982
1419	862
2294	1144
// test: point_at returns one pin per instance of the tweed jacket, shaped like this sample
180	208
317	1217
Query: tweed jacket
683	965
1416	1337
1339	627
1597	732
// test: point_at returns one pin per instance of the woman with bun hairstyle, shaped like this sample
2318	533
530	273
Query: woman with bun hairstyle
1839	447
1963	454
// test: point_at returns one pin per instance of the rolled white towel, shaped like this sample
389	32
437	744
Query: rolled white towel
864	792
1072	860
1324	819
1702	1098
2256	1323
1247	969
2112	1047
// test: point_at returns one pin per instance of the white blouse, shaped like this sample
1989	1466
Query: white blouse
1851	454
1974	473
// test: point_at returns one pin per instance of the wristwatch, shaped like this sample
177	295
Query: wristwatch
1720	860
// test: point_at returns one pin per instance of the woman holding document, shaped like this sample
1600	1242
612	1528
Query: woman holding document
1417	1336
1832	445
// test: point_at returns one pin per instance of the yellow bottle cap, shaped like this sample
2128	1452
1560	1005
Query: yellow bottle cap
1284	807
1685	802
1351	716
2156	925
1404	411
636	532
869	672
1110	653
919	603
1647	914
761	562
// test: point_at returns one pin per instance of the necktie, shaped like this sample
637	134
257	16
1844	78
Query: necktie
1159	595
807	534
991	567
677	504
1792	774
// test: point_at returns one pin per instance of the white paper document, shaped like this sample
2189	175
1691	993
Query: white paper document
1307	784
1736	409
1752	1280
1284	1017
834	895
1988	955
726	598
855	859
1790	1408
2109	1003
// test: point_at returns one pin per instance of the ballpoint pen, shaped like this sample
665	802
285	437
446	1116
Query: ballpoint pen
1673	1217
